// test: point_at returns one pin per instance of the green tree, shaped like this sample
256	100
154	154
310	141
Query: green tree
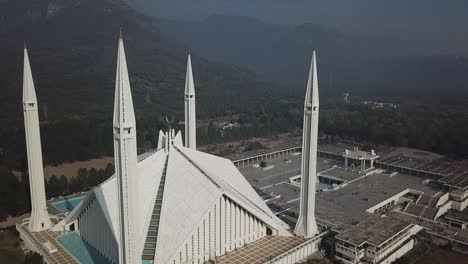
53	187
13	195
63	183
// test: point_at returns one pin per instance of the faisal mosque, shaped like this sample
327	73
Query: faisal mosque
174	204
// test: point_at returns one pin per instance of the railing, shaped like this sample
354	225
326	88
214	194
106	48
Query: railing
267	156
35	247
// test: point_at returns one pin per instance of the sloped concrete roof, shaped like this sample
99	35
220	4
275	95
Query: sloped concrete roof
194	183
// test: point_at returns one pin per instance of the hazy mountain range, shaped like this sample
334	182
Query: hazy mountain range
72	47
365	64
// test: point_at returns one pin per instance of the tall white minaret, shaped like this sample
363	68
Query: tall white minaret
39	220
125	158
190	116
306	224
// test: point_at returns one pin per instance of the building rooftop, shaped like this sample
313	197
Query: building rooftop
359	154
374	230
332	149
38	238
340	208
451	174
261	250
281	143
457	215
459	180
161	174
410	153
339	173
436	167
421	211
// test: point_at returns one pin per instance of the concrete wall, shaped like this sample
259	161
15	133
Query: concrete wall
394	250
395	199
223	229
351	253
399	253
458	194
460	206
94	228
281	154
443	209
345	261
385	254
443	199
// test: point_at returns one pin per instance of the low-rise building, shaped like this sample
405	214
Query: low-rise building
376	240
358	159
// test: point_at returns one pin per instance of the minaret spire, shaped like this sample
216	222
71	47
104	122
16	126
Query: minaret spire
39	219
125	157
306	224
190	115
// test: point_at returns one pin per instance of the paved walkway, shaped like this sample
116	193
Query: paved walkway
261	251
59	257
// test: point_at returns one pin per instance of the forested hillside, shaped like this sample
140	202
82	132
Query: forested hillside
73	46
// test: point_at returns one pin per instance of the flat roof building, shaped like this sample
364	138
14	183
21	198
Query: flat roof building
376	240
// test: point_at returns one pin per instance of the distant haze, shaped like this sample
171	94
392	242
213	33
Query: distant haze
439	26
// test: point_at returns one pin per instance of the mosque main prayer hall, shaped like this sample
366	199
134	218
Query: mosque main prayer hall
174	204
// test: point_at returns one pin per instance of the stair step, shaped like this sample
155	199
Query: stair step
148	251
151	239
150	245
152	234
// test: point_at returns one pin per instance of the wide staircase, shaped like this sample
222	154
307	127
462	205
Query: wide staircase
152	235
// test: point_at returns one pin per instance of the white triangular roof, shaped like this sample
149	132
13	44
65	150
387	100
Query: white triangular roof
233	183
194	183
151	167
188	195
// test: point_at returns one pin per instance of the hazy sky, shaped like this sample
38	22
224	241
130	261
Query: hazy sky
350	14
440	21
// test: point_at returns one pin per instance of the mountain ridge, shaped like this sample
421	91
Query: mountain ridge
282	54
72	48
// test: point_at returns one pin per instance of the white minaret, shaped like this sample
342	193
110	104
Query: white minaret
306	225
39	220
190	116
125	158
